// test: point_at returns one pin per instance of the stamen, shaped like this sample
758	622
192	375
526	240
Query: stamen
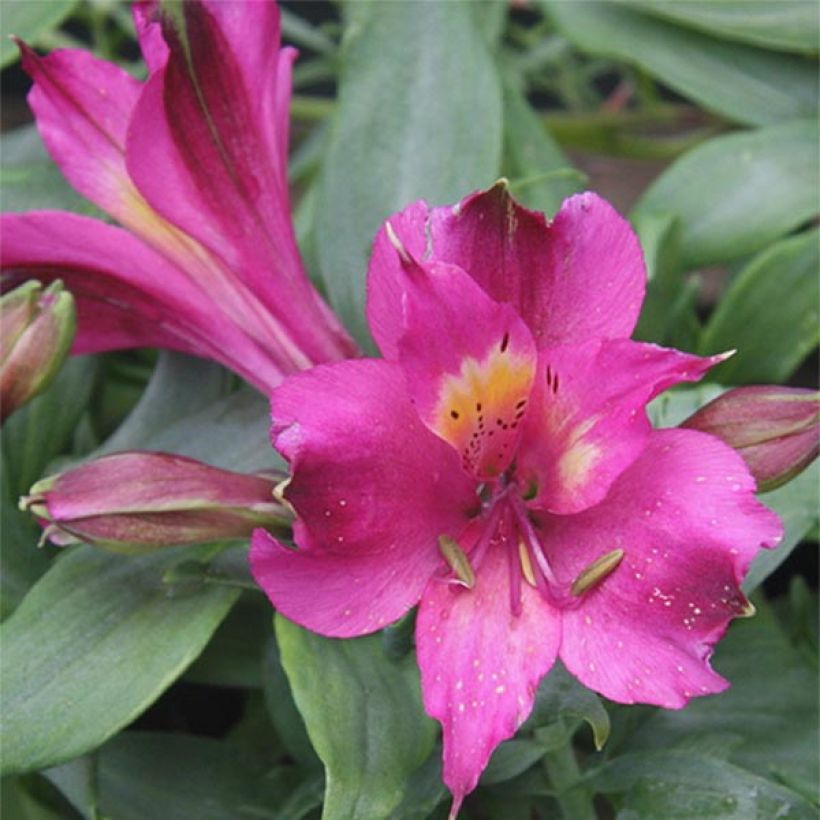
397	244
597	571
526	564
515	583
748	610
458	561
528	531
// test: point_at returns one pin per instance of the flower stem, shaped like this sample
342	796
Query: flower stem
564	774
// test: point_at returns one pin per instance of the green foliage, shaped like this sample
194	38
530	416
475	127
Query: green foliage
29	21
770	313
748	85
378	734
735	194
67	647
418	135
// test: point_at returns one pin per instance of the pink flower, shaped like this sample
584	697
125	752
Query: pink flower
498	469
193	164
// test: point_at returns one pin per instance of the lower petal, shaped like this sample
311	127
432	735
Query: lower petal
340	595
481	665
688	523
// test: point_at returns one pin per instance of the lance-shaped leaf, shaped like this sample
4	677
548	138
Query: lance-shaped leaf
90	615
378	733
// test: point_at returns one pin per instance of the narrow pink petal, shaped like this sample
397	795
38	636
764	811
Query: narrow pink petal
469	363
205	151
83	106
586	422
581	276
368	477
687	520
339	594
127	294
149	33
481	665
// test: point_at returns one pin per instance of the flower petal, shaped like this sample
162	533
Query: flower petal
480	665
83	106
687	520
205	149
581	276
586	422
127	294
469	363
338	594
149	33
368	477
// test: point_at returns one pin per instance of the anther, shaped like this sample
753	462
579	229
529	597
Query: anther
596	572
526	564
457	560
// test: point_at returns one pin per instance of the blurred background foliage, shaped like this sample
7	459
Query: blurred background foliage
154	686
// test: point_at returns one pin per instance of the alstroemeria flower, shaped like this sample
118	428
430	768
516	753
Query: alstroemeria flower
193	165
498	468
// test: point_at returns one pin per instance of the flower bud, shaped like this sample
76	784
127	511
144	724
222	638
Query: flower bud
135	501
775	429
36	331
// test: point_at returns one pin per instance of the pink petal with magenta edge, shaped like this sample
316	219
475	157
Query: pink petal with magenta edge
580	276
127	294
368	477
587	422
481	665
687	520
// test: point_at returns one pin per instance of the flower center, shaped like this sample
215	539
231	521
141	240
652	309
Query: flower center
505	523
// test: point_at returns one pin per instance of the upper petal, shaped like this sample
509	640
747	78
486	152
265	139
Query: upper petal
83	106
469	363
580	276
481	665
368	476
205	148
687	520
127	294
586	421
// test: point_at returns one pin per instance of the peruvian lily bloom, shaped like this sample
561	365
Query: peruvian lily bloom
193	165
498	468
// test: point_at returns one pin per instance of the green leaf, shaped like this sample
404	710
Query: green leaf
735	194
97	639
511	759
29	178
691	785
668	314
770	710
233	657
407	126
43	429
743	83
674	406
180	777
530	153
796	504
784	25
769	313
282	711
28	21
378	734
179	387
560	695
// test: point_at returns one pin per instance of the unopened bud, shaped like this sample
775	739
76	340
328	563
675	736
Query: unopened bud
36	331
775	429
135	501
